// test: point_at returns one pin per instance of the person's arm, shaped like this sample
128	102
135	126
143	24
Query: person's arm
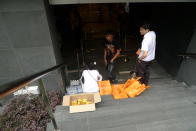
143	55
144	50
116	55
99	77
105	53
138	52
82	78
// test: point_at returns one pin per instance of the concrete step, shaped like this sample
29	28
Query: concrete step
122	119
163	107
170	125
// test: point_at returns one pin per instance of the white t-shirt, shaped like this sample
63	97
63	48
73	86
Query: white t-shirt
90	80
149	44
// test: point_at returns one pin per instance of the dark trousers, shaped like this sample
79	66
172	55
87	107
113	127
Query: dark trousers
142	70
110	71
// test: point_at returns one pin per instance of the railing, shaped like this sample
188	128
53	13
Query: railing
187	55
38	77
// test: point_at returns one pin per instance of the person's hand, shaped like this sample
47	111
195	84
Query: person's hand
111	61
98	78
138	52
105	61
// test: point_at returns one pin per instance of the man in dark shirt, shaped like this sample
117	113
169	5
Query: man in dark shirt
111	53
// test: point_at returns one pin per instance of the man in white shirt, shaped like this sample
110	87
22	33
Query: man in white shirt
146	54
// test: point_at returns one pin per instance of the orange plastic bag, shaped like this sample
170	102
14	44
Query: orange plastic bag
105	87
118	92
141	89
135	89
147	87
130	82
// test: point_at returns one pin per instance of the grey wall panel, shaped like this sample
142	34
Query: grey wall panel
192	46
26	47
21	5
34	59
187	70
9	66
55	37
4	40
4	80
174	28
175	35
27	29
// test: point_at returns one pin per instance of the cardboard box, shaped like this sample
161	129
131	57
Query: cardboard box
92	97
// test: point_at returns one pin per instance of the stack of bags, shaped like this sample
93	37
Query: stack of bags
105	87
118	92
131	88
